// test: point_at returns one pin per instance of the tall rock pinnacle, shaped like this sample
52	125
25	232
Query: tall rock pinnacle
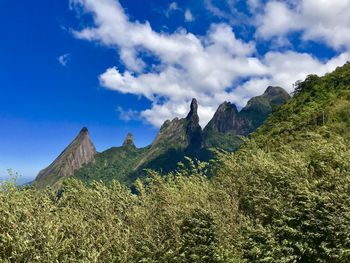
193	114
193	129
129	141
79	152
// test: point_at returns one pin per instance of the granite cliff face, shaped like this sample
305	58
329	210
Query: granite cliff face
225	118
79	152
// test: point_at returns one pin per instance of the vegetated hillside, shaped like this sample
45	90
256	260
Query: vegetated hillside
113	164
292	180
282	197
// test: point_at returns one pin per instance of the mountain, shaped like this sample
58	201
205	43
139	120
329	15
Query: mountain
176	139
318	103
79	152
228	124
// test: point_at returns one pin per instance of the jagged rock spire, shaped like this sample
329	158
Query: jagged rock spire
129	141
193	129
193	114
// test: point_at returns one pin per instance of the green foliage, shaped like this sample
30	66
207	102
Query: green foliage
199	242
107	223
296	204
283	197
114	164
226	141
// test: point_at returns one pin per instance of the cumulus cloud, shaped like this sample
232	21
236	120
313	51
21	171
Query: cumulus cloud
64	59
317	20
213	67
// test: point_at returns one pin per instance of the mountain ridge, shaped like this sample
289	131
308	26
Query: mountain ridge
179	138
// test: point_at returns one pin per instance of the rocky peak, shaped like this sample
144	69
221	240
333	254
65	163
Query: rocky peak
224	119
79	152
193	114
193	129
84	130
274	91
181	133
227	119
129	141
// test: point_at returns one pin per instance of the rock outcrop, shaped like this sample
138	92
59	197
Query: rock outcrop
225	118
228	123
177	136
79	152
228	119
181	133
129	141
193	129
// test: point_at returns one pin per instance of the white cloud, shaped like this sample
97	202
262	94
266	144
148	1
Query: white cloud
188	16
128	115
64	59
210	67
277	20
317	20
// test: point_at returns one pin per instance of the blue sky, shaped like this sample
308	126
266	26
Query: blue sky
128	65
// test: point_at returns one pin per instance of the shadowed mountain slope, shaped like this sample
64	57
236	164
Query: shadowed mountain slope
228	124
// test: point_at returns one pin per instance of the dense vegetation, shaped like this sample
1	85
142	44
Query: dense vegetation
283	197
116	163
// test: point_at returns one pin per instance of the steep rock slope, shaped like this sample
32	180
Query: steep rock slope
175	139
79	152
